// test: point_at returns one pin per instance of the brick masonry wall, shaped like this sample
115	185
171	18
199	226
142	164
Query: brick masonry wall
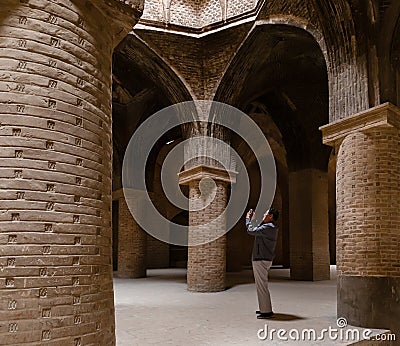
219	51
195	13
153	10
132	242
309	233
235	8
337	37
55	174
351	85
202	63
157	253
186	61
206	263
185	13
368	199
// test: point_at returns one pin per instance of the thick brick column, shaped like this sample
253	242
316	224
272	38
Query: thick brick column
157	253
132	243
55	173
206	263
309	232
368	216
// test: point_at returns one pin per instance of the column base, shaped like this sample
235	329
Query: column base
205	290
126	275
206	272
369	302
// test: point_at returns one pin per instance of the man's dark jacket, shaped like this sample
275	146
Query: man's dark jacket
266	235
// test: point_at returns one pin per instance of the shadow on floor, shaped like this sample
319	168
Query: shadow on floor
285	317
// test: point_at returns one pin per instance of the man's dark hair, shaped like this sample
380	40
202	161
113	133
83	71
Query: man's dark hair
274	212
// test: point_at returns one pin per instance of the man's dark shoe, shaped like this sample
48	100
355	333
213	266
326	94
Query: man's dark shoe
264	315
258	312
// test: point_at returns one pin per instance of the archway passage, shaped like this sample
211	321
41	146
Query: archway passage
143	84
281	72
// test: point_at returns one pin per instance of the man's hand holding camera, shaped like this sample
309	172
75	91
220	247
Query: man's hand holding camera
250	214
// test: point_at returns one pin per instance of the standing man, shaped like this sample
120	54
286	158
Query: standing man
265	236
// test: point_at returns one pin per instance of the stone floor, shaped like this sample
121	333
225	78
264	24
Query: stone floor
159	310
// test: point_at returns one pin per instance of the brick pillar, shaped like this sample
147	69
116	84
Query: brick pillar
132	243
157	253
368	216
309	231
55	173
206	263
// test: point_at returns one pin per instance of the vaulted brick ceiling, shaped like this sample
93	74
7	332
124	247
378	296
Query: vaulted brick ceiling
283	68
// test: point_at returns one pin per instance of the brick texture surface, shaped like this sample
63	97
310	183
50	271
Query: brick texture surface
195	13
157	253
368	196
132	244
55	174
203	62
309	233
337	38
350	83
207	263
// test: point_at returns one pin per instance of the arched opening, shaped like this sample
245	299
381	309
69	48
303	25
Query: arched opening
281	75
142	85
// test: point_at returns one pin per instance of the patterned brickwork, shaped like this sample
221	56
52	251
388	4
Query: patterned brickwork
55	174
185	13
341	44
213	11
200	68
368	198
207	263
235	8
131	245
195	13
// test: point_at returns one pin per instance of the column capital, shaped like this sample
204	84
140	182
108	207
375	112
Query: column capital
385	115
201	172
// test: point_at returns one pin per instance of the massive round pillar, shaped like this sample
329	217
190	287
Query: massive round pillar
55	171
368	216
207	262
208	197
